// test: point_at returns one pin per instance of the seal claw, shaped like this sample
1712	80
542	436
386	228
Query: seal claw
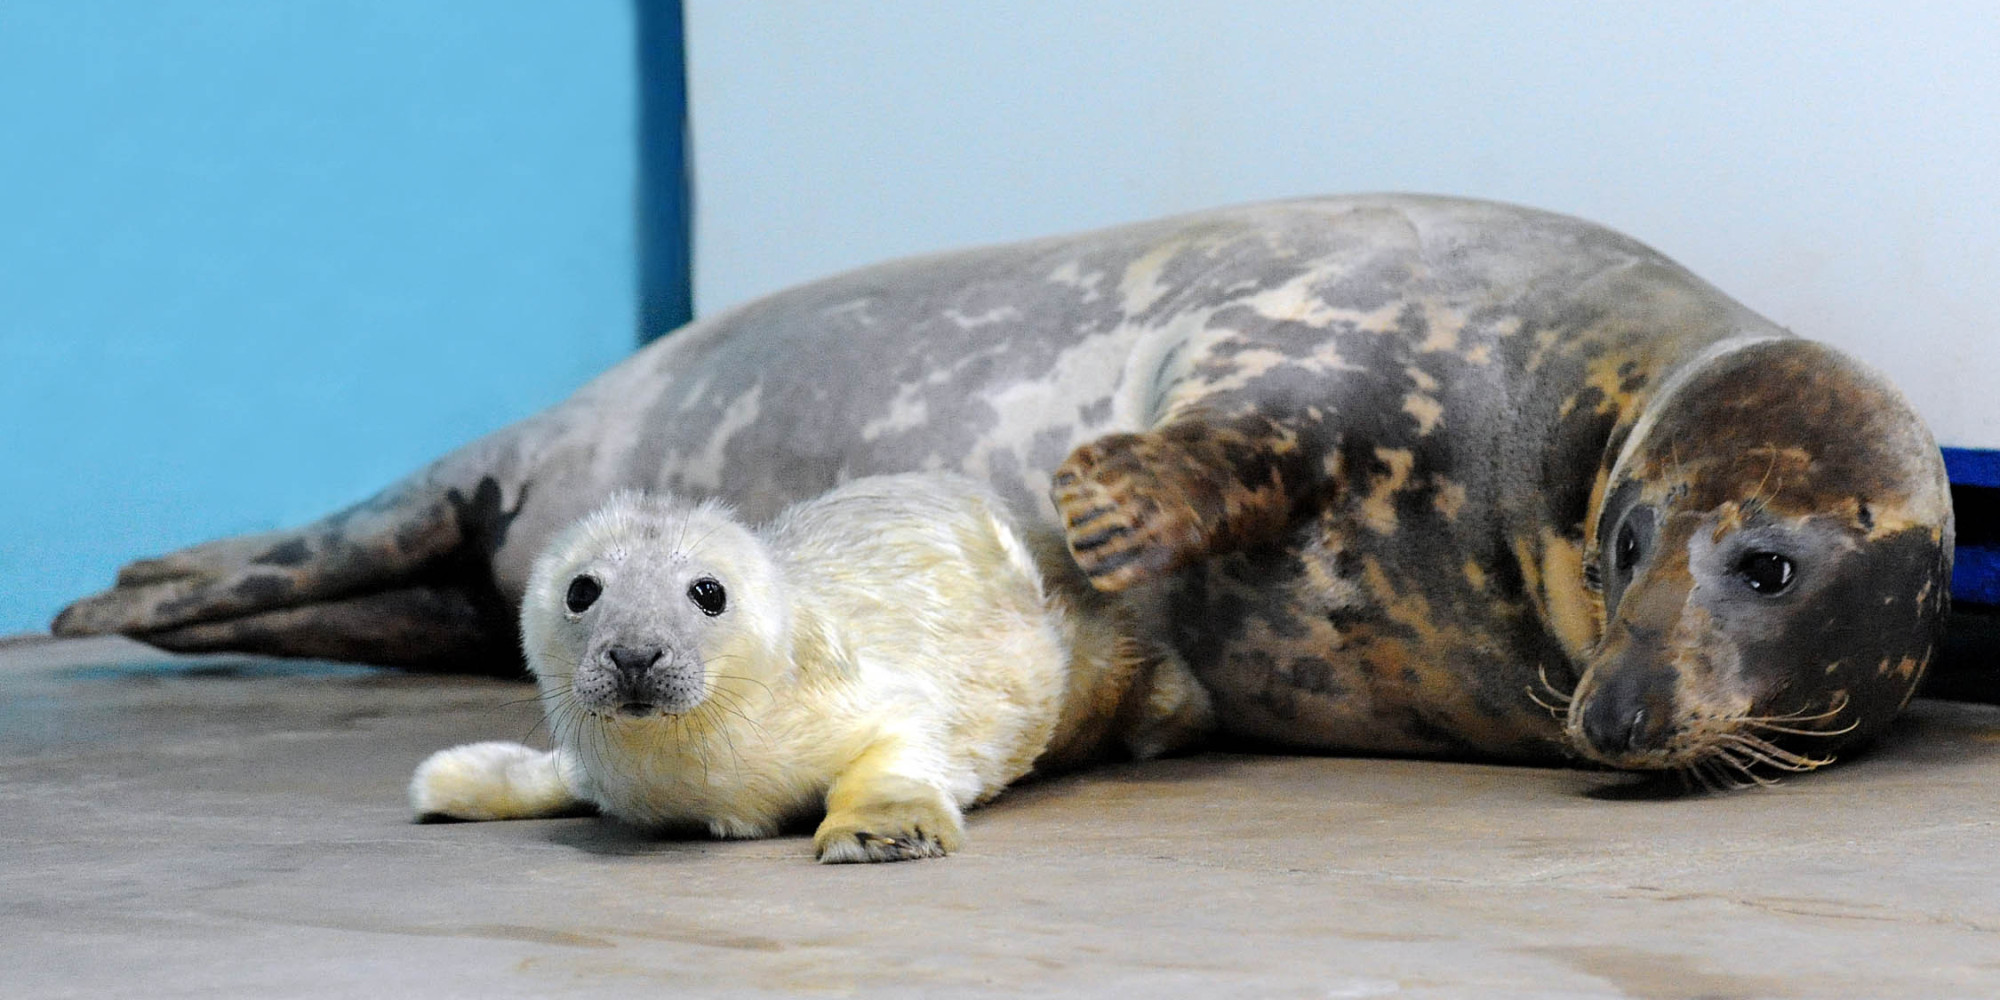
1138	507
144	571
1124	525
905	827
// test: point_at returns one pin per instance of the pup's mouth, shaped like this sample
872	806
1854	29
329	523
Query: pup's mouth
642	710
626	706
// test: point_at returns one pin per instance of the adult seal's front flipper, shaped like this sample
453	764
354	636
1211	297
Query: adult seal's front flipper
1138	507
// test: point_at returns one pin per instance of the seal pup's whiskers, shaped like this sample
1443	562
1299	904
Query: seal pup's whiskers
887	653
714	707
732	703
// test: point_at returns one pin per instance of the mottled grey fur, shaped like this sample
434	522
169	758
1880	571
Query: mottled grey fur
1460	374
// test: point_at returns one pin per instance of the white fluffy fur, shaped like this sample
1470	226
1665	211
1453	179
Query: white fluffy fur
887	655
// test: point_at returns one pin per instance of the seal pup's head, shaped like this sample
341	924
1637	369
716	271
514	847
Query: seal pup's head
641	608
1773	548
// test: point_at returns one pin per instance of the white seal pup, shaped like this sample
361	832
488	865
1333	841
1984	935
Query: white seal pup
888	653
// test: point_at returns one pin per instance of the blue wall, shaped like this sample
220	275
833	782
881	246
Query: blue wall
258	259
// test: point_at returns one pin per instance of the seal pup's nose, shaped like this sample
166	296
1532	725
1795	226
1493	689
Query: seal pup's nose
632	663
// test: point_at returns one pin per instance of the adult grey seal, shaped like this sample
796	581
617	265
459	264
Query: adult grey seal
1401	471
885	656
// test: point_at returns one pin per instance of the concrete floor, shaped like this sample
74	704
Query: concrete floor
231	827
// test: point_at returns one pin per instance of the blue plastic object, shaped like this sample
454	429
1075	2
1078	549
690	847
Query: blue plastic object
1975	480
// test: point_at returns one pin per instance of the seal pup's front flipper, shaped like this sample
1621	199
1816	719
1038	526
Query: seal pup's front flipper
880	809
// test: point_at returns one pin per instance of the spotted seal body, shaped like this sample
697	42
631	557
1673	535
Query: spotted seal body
1371	457
885	655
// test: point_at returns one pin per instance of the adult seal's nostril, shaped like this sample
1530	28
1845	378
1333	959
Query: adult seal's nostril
1614	729
1630	714
1610	727
632	663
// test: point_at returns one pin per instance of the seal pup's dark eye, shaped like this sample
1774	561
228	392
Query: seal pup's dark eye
1627	554
1767	573
708	595
582	594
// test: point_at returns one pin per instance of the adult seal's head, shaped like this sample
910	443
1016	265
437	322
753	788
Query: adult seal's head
1774	551
643	608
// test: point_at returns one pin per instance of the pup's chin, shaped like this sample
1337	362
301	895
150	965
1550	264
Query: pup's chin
641	711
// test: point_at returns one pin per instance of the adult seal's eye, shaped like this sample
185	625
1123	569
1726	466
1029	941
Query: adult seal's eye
1767	573
708	595
582	594
1628	549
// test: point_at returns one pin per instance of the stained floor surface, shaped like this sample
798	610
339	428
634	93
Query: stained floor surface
222	827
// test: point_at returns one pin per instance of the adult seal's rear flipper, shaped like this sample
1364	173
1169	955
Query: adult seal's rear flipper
402	579
440	627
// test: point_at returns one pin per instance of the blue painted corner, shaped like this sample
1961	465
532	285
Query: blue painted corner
666	187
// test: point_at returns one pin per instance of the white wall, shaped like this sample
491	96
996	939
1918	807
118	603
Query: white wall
1836	165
